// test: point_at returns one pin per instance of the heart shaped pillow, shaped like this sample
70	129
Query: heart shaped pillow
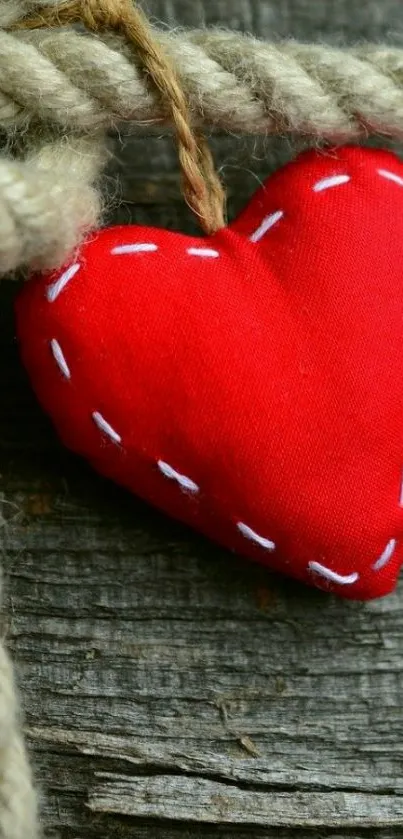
250	384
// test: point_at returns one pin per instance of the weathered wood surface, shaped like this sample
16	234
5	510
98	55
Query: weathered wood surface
170	689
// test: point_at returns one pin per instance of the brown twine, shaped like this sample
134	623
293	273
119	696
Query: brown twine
201	185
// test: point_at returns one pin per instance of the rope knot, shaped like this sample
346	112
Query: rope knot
202	187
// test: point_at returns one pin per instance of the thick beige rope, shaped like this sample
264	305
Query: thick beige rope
18	808
83	83
201	184
18	805
233	82
48	201
13	10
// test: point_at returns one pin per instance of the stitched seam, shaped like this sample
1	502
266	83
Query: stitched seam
168	471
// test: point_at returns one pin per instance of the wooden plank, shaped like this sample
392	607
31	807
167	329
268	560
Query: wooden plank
170	689
209	801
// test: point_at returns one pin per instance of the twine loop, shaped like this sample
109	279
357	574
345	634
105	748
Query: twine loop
201	185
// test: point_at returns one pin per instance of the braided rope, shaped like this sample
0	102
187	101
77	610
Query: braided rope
233	82
18	809
202	187
48	202
80	83
18	805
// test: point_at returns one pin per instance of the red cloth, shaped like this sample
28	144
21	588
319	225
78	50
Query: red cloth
253	389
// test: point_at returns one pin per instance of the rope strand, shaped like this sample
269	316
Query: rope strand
48	202
18	805
79	84
232	82
202	187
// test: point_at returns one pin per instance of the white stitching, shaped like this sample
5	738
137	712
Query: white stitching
185	482
104	426
333	576
328	183
390	176
139	247
54	290
266	224
58	355
254	537
204	252
386	555
168	471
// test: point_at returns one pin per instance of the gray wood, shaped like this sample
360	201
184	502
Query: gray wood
207	801
170	689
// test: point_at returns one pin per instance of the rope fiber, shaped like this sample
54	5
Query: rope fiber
118	68
202	188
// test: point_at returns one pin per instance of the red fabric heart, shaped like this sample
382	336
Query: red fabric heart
249	384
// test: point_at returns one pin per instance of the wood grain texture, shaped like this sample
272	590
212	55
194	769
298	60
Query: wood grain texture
170	689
